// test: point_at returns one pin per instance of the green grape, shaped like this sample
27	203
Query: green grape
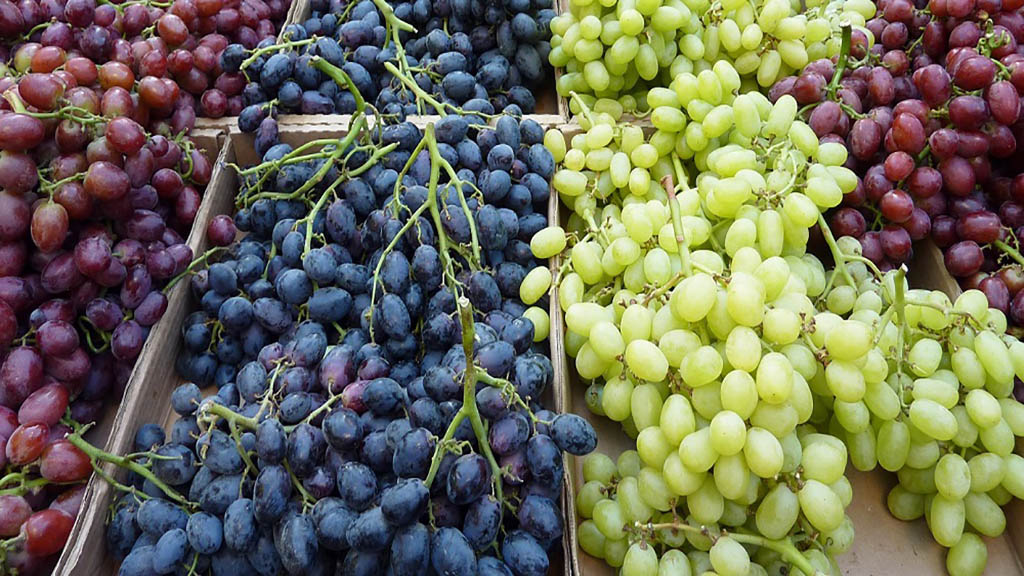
984	515
570	291
535	285
917	481
994	356
743	349
841	539
824	461
881	400
774	378
541	322
986	471
606	341
728	433
729	557
862	448
967	557
701	366
905	505
843	489
680	479
676	344
674	563
925	356
739	393
923	454
591	493
676	419
777	513
694	297
952	476
628	463
1013	414
706	504
731	476
779	419
654	490
615	552
947	518
640	560
592	541
646	360
588	364
598	467
645	406
636	323
618	393
696	451
849	340
633	506
854	417
653	446
610	519
998	439
820	505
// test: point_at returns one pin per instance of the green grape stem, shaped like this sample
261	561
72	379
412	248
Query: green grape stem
97	455
420	93
784	548
197	262
837	254
341	78
1009	251
677	219
844	56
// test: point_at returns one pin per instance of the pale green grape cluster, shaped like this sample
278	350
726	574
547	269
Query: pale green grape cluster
747	373
631	509
617	49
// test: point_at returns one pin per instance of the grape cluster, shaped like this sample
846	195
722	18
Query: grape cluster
618	50
405	58
172	51
93	210
930	113
748	373
377	373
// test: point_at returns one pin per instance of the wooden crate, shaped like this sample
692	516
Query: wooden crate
883	545
148	396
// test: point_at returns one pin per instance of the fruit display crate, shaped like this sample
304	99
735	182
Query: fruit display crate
148	397
883	545
149	368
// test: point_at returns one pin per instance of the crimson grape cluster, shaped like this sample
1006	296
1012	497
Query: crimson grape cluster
349	432
93	210
173	51
479	56
931	116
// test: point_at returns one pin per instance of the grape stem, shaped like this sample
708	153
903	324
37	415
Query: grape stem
192	267
677	219
341	78
95	454
275	48
837	254
784	548
899	302
844	56
1009	251
420	93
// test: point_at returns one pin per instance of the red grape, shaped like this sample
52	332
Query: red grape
62	461
46	532
26	443
964	258
14	510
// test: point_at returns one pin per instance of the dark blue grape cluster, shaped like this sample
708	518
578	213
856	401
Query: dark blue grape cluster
334	334
482	56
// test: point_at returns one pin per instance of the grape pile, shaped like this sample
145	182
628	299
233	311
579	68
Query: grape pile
172	51
618	50
406	58
379	375
94	205
930	114
746	371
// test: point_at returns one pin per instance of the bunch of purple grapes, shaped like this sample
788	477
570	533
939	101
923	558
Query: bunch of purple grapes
931	115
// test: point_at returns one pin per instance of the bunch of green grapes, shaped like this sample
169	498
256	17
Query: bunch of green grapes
619	48
631	510
740	364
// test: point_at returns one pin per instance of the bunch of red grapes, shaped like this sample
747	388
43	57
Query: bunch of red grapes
931	116
173	53
94	207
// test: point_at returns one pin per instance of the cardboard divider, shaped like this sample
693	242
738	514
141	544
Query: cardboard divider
107	431
147	398
883	545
